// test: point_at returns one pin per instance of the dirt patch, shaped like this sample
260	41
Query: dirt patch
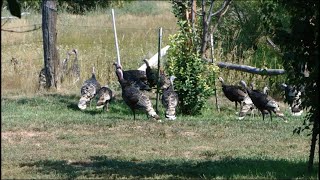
24	134
189	134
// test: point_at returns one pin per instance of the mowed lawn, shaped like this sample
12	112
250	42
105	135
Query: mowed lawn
45	136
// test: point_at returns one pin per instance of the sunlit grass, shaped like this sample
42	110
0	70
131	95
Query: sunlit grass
47	136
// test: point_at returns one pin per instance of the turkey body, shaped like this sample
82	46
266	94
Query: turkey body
293	98
170	100
138	77
105	95
88	91
263	102
134	97
233	93
151	75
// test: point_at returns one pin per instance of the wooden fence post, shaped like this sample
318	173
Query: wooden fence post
51	60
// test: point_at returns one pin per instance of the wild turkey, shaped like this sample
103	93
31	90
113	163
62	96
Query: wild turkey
88	90
138	77
74	70
293	98
233	93
133	97
164	80
42	79
248	105
170	100
105	95
263	102
264	91
151	75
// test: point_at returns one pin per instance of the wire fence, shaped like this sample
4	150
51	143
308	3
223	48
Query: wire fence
126	31
37	27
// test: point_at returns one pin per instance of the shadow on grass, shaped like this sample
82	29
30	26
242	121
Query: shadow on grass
103	166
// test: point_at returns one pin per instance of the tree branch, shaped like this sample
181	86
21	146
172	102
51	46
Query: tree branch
220	11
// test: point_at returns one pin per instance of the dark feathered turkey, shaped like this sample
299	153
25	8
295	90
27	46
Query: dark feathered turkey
263	102
170	100
151	75
138	77
133	97
88	90
105	95
293	98
234	93
248	105
264	91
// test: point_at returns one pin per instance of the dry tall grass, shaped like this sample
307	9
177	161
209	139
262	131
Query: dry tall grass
92	35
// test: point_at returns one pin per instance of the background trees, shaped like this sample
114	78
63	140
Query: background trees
299	43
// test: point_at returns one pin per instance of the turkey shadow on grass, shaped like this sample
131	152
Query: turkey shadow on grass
115	106
103	166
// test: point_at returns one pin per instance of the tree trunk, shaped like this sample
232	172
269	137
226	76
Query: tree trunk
51	60
315	133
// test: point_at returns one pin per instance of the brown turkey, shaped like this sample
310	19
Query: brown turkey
170	100
105	95
133	97
88	90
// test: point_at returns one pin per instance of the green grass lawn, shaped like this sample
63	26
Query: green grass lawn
46	136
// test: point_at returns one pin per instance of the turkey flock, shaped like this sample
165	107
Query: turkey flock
251	99
138	85
135	85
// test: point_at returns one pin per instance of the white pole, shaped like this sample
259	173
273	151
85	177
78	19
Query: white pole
212	48
115	36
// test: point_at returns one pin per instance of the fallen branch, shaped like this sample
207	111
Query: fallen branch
153	61
250	69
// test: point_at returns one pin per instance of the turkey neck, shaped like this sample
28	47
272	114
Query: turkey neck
121	80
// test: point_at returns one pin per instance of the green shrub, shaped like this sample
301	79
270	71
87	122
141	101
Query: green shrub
194	76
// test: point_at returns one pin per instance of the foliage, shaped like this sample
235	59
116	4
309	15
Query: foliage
242	39
74	6
193	75
300	46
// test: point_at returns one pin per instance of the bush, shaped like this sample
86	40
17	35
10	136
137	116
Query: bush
194	76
